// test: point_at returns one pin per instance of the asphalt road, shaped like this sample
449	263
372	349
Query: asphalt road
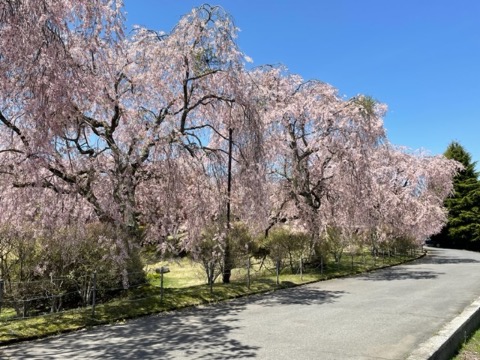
384	314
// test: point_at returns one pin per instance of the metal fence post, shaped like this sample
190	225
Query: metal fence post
94	291
301	268
277	268
248	272
162	270
161	287
210	281
1	295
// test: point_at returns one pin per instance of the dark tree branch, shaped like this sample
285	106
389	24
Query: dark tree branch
15	129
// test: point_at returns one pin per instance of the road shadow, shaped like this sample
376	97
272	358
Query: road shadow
301	295
434	256
401	273
202	333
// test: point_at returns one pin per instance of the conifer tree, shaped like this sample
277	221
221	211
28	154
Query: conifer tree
463	227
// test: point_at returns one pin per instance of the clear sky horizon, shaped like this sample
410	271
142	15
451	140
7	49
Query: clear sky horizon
421	58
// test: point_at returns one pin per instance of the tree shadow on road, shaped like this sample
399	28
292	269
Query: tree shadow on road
449	260
400	273
195	333
302	295
434	257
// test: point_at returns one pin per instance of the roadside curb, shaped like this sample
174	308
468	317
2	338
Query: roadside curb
447	341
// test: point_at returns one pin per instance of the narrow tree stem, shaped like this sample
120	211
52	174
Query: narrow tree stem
227	268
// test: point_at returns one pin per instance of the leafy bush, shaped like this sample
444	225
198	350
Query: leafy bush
284	245
50	271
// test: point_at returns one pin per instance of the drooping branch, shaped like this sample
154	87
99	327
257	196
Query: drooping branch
15	129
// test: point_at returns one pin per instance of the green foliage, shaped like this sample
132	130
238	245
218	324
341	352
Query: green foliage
366	104
334	242
285	245
209	252
242	243
463	227
400	244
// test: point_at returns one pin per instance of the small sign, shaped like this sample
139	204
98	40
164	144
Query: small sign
162	270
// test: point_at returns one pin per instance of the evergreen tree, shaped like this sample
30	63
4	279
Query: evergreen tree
463	227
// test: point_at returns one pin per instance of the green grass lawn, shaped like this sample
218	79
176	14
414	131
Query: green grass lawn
184	286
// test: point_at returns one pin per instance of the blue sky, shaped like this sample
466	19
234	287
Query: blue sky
420	57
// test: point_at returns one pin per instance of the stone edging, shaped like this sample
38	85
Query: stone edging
447	341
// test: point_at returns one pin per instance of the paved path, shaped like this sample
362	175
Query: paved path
381	315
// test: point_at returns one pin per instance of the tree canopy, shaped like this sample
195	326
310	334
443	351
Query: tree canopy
132	132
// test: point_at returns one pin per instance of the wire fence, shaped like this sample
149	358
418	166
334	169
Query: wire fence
26	299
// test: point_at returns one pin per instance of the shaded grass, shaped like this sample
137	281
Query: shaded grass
184	286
